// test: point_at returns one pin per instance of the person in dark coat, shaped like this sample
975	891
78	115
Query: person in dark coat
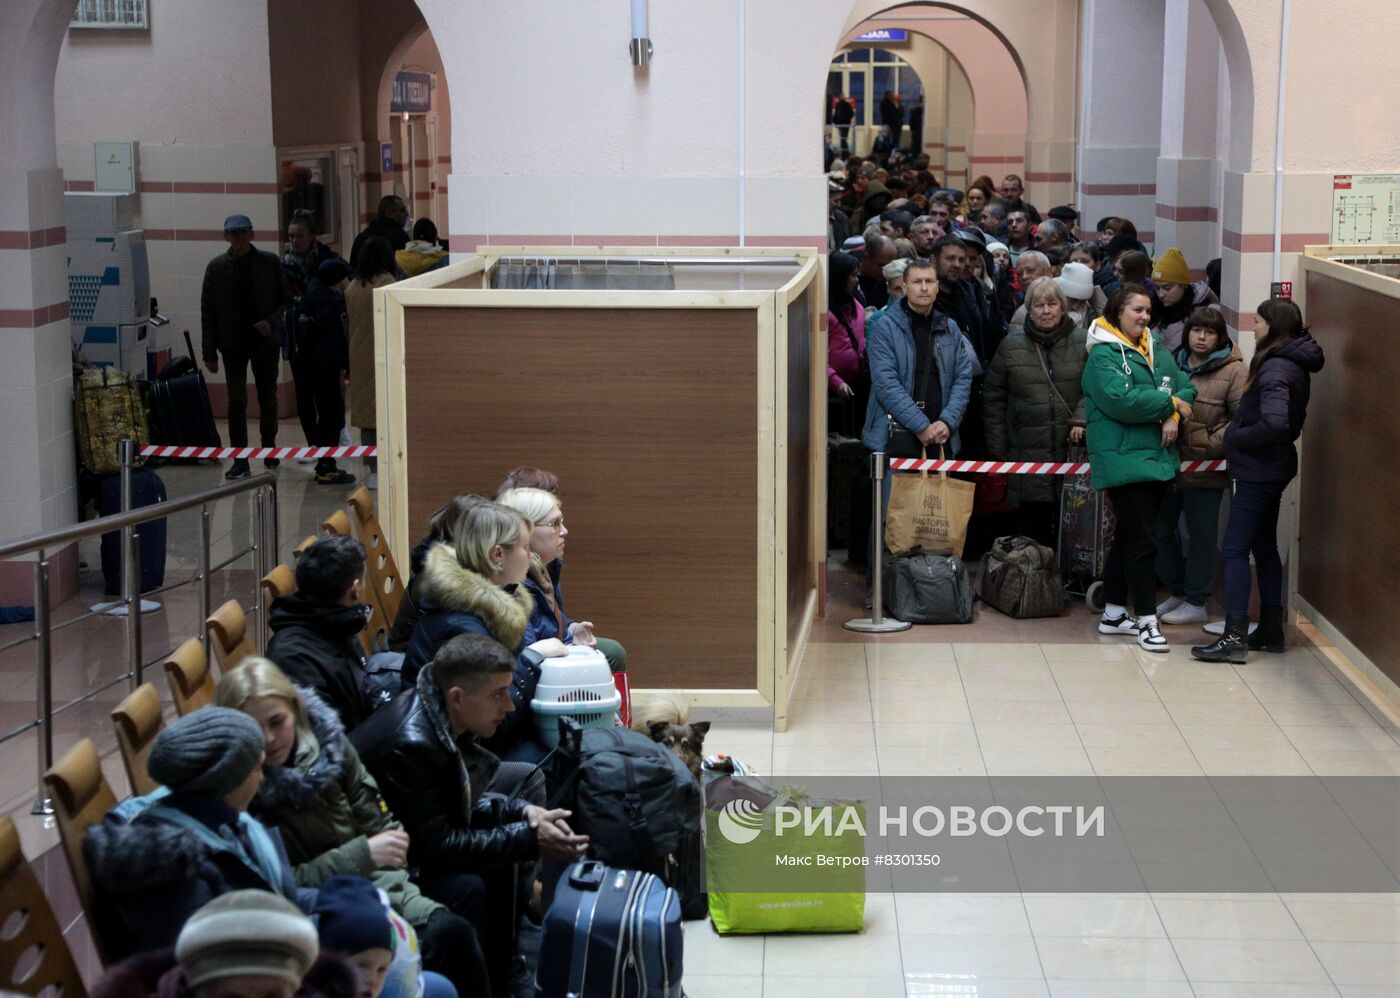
156	860
315	630
474	586
320	338
304	253
1033	404
1262	458
843	112
240	305
425	750
892	117
389	223
916	125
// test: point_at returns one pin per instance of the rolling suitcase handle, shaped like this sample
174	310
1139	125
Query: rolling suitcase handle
587	874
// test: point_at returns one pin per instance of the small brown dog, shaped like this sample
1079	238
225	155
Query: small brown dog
665	719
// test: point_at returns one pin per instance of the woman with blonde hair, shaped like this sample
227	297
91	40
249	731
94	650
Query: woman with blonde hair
474	585
548	620
327	808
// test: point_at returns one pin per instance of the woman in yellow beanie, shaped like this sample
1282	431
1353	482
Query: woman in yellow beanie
1177	297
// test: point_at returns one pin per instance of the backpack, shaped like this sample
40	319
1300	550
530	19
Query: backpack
107	408
1021	578
636	801
923	588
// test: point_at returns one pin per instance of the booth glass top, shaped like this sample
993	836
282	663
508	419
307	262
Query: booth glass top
644	273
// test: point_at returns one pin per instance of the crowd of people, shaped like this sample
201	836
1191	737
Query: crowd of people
315	310
965	323
397	798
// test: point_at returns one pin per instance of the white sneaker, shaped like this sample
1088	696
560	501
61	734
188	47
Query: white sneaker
1118	625
1168	605
1150	638
1186	613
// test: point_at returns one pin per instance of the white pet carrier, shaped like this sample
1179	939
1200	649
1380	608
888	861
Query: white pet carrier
579	686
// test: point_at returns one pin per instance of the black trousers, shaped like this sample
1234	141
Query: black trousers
488	900
1130	570
451	948
320	400
264	354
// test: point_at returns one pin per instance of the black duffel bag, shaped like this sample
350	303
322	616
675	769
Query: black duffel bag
923	588
638	804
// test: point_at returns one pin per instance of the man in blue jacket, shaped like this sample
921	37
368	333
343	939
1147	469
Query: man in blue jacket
909	343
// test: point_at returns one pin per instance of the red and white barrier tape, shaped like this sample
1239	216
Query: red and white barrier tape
1022	467
253	453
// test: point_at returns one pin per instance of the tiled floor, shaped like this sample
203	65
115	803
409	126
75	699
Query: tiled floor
996	697
1007	697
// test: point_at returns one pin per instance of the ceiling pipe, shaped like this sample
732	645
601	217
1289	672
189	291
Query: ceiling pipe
1278	144
640	47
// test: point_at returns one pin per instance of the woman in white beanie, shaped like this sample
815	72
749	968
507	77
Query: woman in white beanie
1084	302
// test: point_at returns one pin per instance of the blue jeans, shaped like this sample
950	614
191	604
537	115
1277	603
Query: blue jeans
1252	528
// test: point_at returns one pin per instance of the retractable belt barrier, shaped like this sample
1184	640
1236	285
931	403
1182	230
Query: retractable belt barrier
253	453
1022	467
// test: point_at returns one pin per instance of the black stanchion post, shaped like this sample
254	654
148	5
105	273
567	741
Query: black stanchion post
877	622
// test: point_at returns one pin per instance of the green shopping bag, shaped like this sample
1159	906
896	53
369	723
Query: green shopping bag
780	861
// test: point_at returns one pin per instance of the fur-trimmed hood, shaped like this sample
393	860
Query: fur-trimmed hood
123	857
317	762
450	585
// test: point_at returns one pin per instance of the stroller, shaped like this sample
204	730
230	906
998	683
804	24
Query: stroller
1086	531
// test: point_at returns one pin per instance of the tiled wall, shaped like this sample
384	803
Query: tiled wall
639	211
38	490
1119	181
1188	210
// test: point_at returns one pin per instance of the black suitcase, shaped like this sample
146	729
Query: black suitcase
181	414
146	490
610	933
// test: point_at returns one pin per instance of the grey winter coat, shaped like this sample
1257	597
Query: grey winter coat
1023	418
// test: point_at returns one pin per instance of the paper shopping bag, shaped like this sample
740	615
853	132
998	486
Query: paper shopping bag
928	511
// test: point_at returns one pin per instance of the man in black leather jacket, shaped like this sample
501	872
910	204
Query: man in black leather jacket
464	833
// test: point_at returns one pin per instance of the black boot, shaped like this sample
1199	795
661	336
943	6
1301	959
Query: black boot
1268	636
1232	646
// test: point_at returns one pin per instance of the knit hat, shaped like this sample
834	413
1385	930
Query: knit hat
1076	281
350	918
333	271
1171	267
246	932
208	752
998	247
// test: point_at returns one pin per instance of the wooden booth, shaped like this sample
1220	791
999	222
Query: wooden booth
1349	530
679	395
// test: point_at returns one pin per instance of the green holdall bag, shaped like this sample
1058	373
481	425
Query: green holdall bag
762	878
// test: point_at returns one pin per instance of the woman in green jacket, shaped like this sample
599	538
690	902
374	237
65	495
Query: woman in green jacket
1135	400
1033	405
328	810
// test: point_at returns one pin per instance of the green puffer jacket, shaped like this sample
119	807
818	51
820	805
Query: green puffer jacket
1125	405
1023	418
326	806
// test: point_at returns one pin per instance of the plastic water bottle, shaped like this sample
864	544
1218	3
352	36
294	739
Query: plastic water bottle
1166	386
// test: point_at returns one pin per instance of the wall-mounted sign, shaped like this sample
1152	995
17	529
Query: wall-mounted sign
386	157
885	35
1366	209
413	92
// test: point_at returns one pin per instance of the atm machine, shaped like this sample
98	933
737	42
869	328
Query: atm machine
109	283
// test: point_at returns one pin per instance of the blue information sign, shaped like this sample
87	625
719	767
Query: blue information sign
885	35
413	92
386	157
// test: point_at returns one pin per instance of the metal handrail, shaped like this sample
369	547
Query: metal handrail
265	542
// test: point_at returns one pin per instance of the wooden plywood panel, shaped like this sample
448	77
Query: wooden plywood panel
801	577
649	419
1349	529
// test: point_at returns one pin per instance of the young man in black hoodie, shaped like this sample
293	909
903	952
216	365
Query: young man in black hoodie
315	638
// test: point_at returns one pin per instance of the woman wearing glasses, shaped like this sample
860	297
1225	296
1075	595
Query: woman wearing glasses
548	619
